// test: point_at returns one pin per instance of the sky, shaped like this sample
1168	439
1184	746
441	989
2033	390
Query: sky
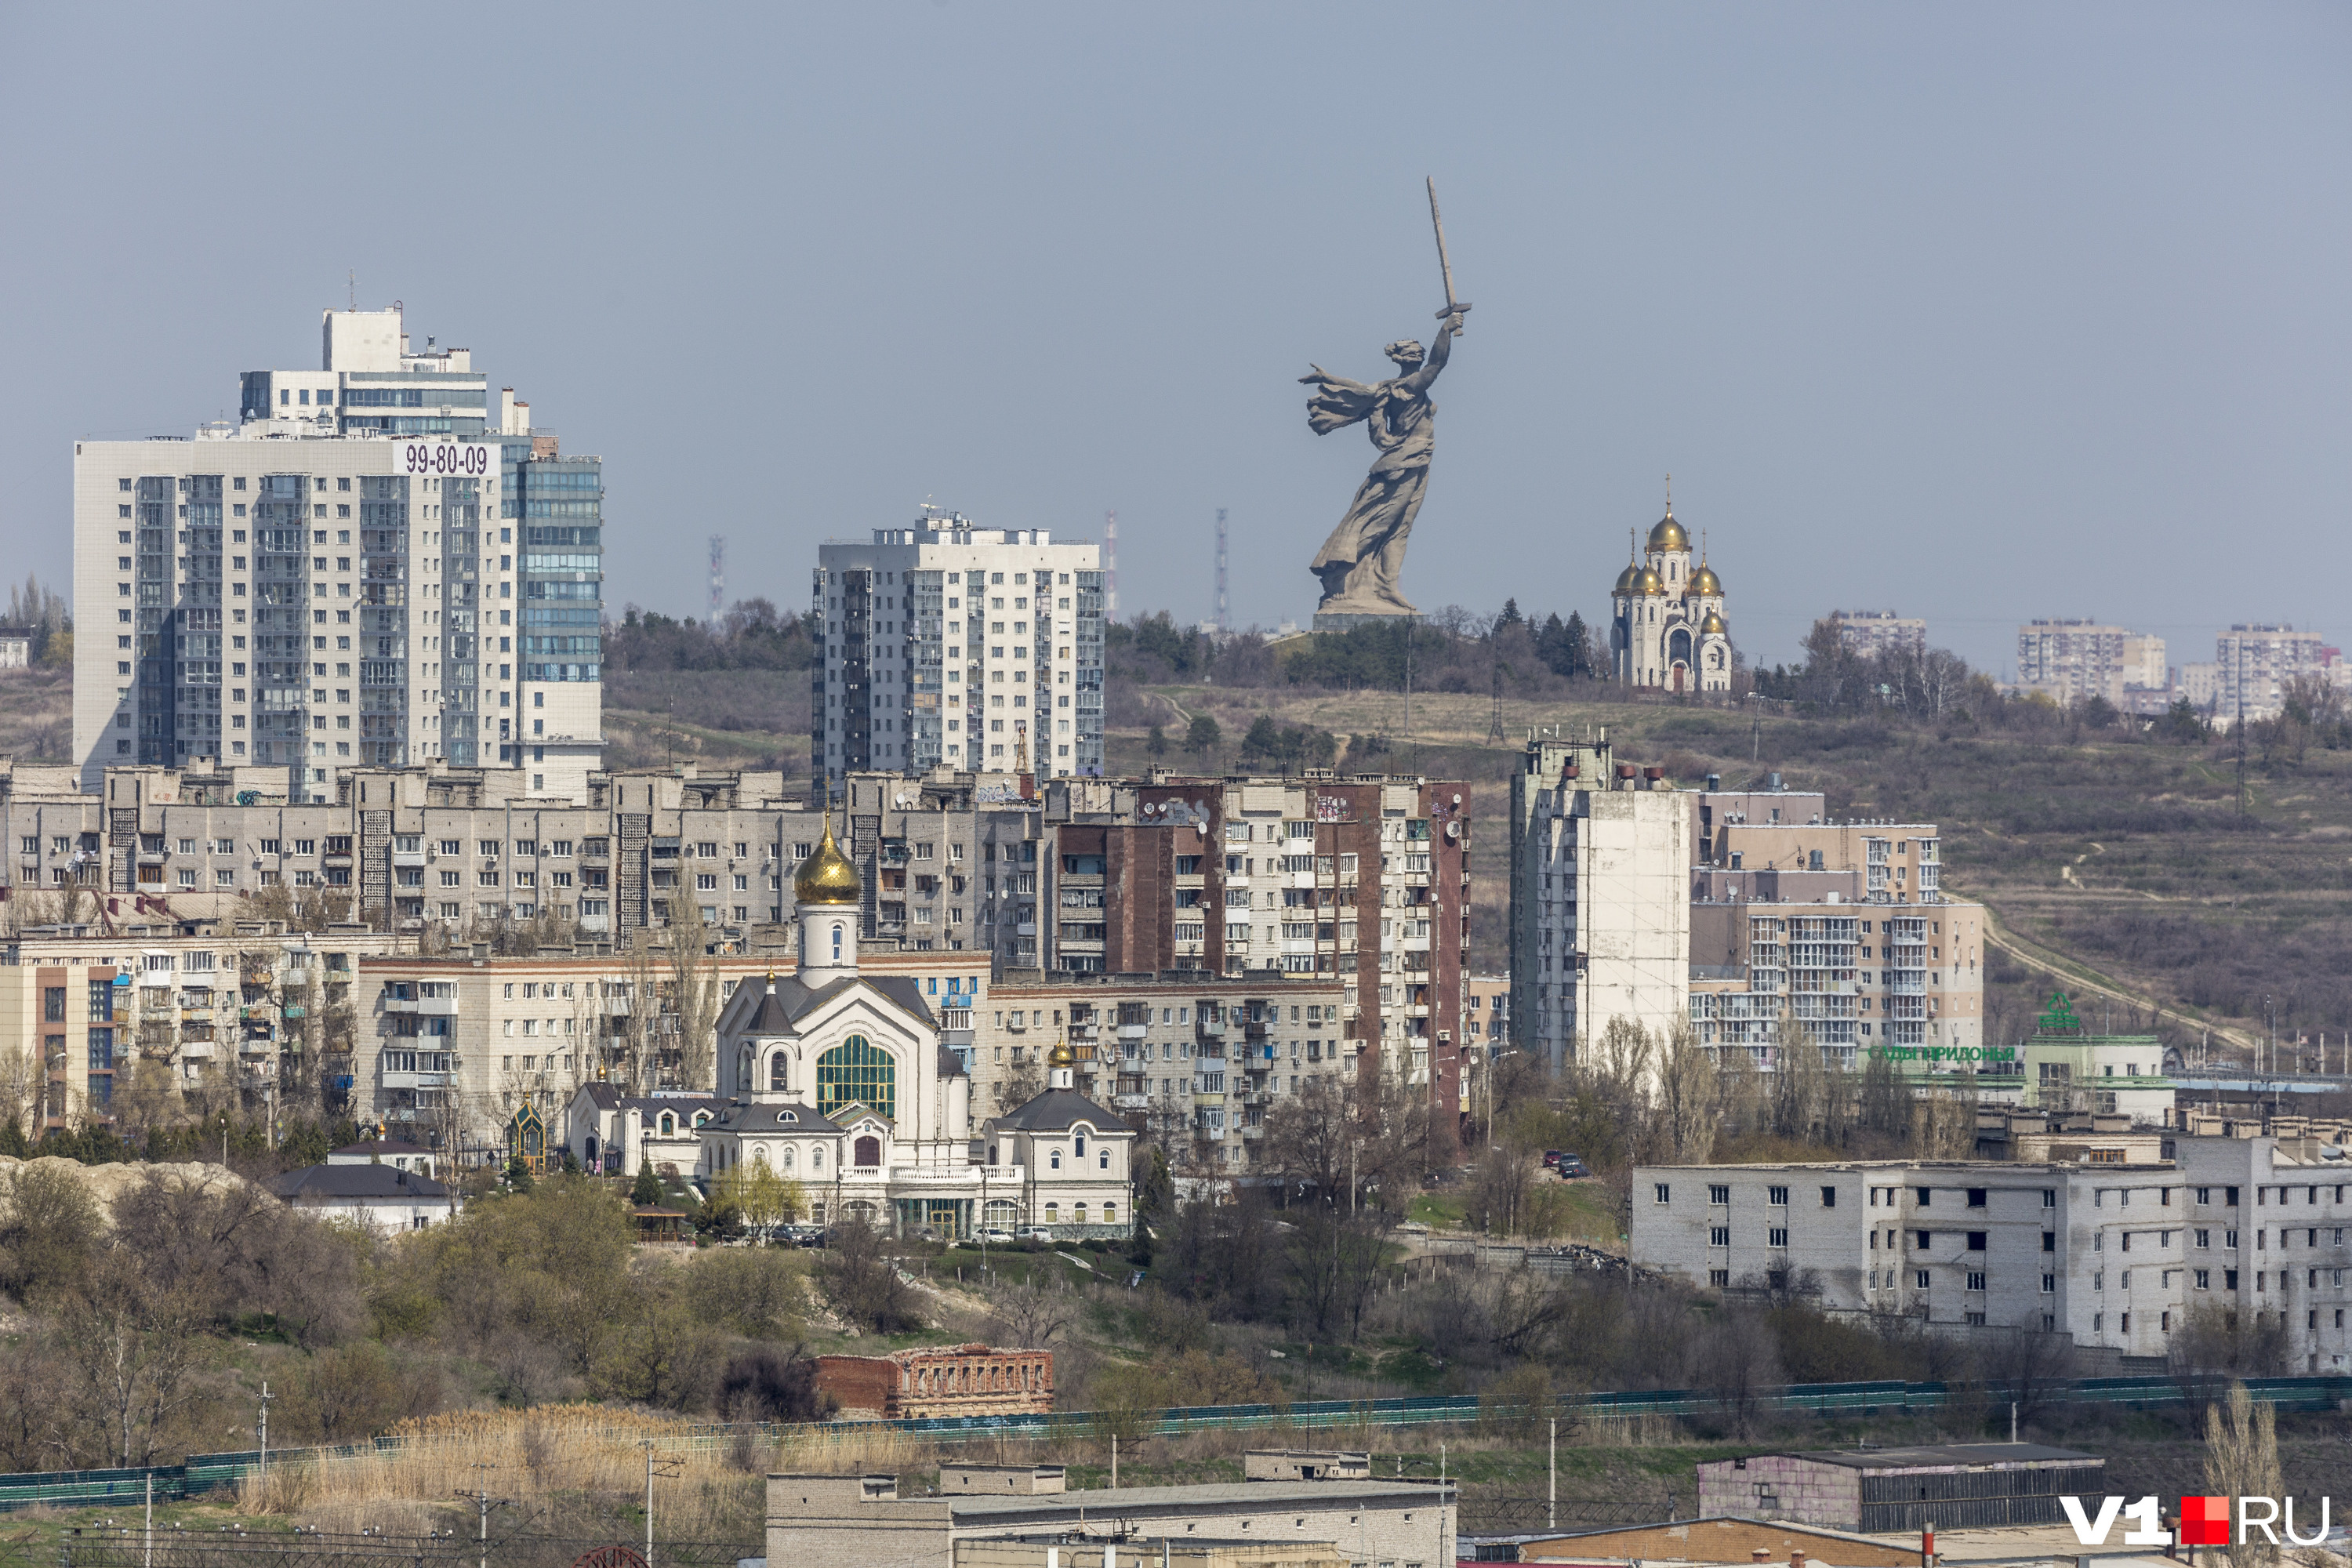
1979	312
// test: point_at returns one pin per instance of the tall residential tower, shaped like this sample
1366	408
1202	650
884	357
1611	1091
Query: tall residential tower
326	586
976	649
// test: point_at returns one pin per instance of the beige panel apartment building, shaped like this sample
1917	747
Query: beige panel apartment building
1843	924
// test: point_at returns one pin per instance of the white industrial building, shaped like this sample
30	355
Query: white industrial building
2115	1255
373	568
970	649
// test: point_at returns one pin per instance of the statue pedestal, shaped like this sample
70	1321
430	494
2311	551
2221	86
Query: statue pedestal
1348	620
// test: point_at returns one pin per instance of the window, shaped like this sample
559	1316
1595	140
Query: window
1919	1278
1829	1198
855	1071
1976	1241
1977	1197
1718	1192
1719	1235
2049	1284
1661	1192
2204	1195
1778	1197
2050	1197
1976	1279
2049	1241
1778	1235
1718	1277
1925	1196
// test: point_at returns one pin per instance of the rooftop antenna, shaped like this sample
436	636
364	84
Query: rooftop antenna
352	302
1223	622
718	575
1110	567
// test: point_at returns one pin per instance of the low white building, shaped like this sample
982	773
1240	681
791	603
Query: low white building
399	1154
2116	1255
618	1133
381	1198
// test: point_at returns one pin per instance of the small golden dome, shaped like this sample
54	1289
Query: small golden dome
1711	624
1702	581
1061	1055
1647	581
826	877
1629	579
1669	534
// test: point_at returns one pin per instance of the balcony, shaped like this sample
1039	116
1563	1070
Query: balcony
417	1079
1211	1029
408	858
1131	1102
1132	1031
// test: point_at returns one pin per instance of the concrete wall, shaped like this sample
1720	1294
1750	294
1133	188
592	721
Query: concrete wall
1783	1486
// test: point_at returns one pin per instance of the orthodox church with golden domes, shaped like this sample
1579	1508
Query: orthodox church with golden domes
840	1081
1669	630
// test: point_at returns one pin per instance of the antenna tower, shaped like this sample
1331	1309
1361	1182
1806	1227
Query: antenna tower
718	575
1110	567
1495	728
1224	622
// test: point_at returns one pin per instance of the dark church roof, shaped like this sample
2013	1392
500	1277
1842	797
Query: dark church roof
784	1000
755	1117
1057	1110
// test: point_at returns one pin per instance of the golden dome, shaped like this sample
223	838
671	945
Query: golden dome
1669	534
1647	581
1628	580
1061	1055
1711	624
1702	581
826	877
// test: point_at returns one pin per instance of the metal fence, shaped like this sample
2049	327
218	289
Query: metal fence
1303	1419
138	1548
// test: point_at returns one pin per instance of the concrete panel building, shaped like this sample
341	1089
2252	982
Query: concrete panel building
315	589
2112	1255
1873	632
963	648
1878	1491
2253	662
1601	858
842	1519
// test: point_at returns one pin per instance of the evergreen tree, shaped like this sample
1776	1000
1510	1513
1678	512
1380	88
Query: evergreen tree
1510	616
1576	655
648	1191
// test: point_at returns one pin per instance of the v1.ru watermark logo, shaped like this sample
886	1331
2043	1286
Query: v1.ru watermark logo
2204	1522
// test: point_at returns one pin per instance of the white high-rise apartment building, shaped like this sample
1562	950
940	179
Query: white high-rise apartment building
1873	632
1601	928
976	649
2253	663
368	570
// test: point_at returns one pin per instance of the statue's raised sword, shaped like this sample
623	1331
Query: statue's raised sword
1454	308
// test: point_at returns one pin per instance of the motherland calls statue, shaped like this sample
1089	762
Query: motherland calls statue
1360	563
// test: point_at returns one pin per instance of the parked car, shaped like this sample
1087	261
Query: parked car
1570	1167
1035	1233
1552	1158
995	1237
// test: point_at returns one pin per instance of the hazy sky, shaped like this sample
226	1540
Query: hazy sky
1977	311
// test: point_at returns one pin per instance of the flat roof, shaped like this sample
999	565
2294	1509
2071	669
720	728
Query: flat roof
1266	1494
1943	1455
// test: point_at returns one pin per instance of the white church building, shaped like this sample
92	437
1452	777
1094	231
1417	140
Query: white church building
1669	630
838	1082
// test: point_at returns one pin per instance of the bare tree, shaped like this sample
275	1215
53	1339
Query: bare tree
2241	1459
1689	1094
1800	1084
1030	1317
694	992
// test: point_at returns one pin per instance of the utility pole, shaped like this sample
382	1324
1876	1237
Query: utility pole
1495	725
266	1397
1551	1505
718	579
